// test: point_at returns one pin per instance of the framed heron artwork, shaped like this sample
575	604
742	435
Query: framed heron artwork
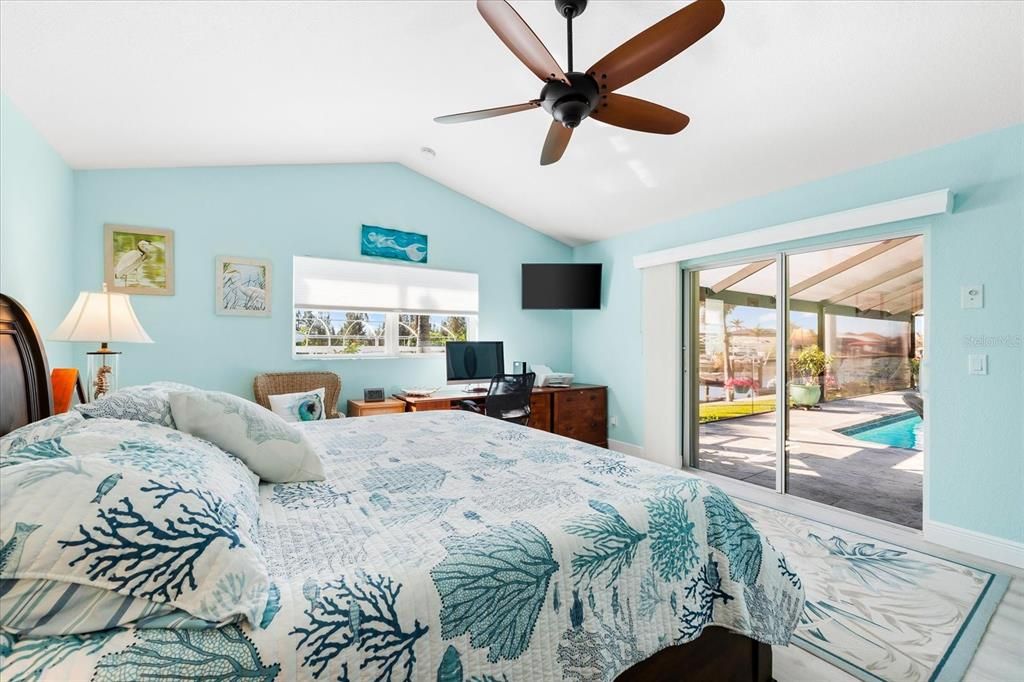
243	286
384	242
138	260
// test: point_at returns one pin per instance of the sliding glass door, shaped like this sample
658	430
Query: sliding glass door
801	374
735	370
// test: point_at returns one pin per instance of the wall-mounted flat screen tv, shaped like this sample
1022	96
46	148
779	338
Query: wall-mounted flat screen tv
561	286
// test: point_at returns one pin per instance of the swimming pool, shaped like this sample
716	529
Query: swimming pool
903	430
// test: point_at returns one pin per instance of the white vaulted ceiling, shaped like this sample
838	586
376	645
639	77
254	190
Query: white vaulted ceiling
779	94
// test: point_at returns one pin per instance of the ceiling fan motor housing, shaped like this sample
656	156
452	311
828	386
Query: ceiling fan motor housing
572	8
570	104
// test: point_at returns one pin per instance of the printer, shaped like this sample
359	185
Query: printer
547	377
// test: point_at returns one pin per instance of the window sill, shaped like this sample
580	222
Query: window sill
348	358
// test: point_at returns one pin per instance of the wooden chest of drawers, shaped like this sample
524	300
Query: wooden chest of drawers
540	411
582	413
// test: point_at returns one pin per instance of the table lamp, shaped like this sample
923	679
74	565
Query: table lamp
105	318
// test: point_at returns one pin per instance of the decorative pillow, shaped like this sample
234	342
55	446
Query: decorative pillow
145	403
269	446
44	429
168	523
299	407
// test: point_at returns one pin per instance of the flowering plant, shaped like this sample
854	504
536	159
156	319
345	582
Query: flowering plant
741	383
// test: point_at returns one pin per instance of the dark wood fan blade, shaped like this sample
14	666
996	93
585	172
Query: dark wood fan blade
520	38
639	114
487	113
651	48
555	143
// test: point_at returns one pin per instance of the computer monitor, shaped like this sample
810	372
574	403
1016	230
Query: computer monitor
474	362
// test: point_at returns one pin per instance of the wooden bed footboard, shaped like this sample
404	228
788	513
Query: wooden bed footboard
718	655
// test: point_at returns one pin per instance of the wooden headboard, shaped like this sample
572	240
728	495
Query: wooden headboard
25	394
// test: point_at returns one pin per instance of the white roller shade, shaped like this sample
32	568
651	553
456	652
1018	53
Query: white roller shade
324	283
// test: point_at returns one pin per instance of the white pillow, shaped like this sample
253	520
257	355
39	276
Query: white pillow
272	449
299	407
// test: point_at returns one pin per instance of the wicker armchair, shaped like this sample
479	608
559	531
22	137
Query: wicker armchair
276	383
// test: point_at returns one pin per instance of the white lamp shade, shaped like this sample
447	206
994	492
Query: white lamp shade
102	317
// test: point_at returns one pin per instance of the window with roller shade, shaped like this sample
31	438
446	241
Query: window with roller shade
360	309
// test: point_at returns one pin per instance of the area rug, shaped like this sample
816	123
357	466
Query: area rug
881	611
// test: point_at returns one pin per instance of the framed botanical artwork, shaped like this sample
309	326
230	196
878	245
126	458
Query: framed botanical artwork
384	242
138	260
243	286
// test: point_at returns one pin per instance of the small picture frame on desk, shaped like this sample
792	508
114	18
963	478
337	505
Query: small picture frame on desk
373	395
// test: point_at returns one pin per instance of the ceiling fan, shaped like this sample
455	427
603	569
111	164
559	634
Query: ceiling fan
571	96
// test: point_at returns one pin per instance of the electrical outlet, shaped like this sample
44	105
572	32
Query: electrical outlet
613	420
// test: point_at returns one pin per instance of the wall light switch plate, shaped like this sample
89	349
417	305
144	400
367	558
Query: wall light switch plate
972	296
977	364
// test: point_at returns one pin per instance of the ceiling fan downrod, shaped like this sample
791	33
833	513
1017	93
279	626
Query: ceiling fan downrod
570	103
570	9
568	21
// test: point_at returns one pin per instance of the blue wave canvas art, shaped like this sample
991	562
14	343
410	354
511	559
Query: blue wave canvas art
386	243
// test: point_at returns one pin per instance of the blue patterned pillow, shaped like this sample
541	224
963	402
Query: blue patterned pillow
158	516
145	403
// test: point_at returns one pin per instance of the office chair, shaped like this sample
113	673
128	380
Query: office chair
508	398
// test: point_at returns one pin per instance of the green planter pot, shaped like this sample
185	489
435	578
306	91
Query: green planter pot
805	394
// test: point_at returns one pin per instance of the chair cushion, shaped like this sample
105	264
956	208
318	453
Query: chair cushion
272	449
306	406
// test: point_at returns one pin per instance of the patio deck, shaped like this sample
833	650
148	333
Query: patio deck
825	466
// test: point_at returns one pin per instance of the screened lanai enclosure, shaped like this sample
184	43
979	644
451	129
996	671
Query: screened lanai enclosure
844	343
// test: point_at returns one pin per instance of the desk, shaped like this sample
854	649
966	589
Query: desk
579	411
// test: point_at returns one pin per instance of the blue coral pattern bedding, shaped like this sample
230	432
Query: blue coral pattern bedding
451	546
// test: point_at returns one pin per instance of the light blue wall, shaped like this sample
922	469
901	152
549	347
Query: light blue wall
279	211
976	453
36	216
975	462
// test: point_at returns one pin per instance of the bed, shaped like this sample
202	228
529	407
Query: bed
452	546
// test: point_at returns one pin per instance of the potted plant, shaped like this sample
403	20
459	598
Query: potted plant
915	373
809	364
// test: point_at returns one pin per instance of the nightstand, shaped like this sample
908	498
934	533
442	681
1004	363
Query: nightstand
361	408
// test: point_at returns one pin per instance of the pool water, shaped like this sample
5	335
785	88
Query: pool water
902	430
